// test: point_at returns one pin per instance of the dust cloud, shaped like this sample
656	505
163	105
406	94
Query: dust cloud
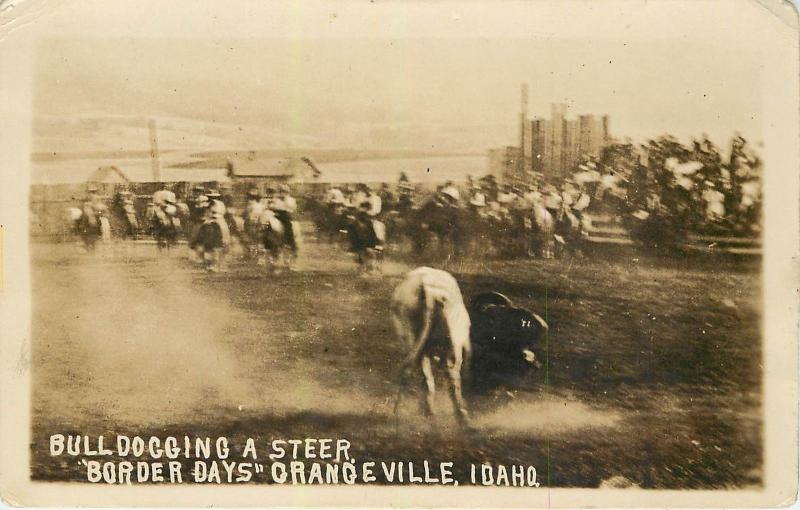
543	414
149	349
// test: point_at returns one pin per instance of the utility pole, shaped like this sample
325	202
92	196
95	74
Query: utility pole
154	156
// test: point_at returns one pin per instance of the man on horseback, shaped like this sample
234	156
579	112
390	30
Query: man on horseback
254	205
163	217
440	216
213	235
284	206
366	235
125	210
372	205
93	203
163	195
277	232
253	208
197	210
553	201
215	212
252	222
93	223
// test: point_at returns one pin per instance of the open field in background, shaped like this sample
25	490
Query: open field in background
653	368
336	165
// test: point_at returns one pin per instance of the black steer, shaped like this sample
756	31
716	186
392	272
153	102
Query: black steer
507	341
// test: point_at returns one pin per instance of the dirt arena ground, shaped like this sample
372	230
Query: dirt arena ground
653	369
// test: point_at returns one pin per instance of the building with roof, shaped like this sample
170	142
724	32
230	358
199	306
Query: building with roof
108	175
254	171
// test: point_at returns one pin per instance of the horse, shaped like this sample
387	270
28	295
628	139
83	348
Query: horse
500	230
275	241
165	225
367	239
90	225
236	226
126	221
447	223
329	219
210	245
540	226
568	232
396	224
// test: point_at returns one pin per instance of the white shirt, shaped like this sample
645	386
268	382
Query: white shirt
217	208
374	204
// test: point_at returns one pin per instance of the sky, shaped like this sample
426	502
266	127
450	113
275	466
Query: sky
456	93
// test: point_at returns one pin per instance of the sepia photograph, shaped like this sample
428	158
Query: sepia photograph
383	246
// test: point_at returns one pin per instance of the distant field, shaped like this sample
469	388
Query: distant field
653	368
337	165
213	157
326	155
366	166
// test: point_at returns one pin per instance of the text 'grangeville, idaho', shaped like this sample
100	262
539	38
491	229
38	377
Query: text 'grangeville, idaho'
309	461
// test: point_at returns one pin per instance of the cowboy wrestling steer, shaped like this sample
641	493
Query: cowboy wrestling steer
428	313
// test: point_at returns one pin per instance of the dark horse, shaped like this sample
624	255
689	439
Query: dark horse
89	228
365	241
209	244
447	223
329	219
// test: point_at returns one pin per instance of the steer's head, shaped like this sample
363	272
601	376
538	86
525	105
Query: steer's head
527	336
